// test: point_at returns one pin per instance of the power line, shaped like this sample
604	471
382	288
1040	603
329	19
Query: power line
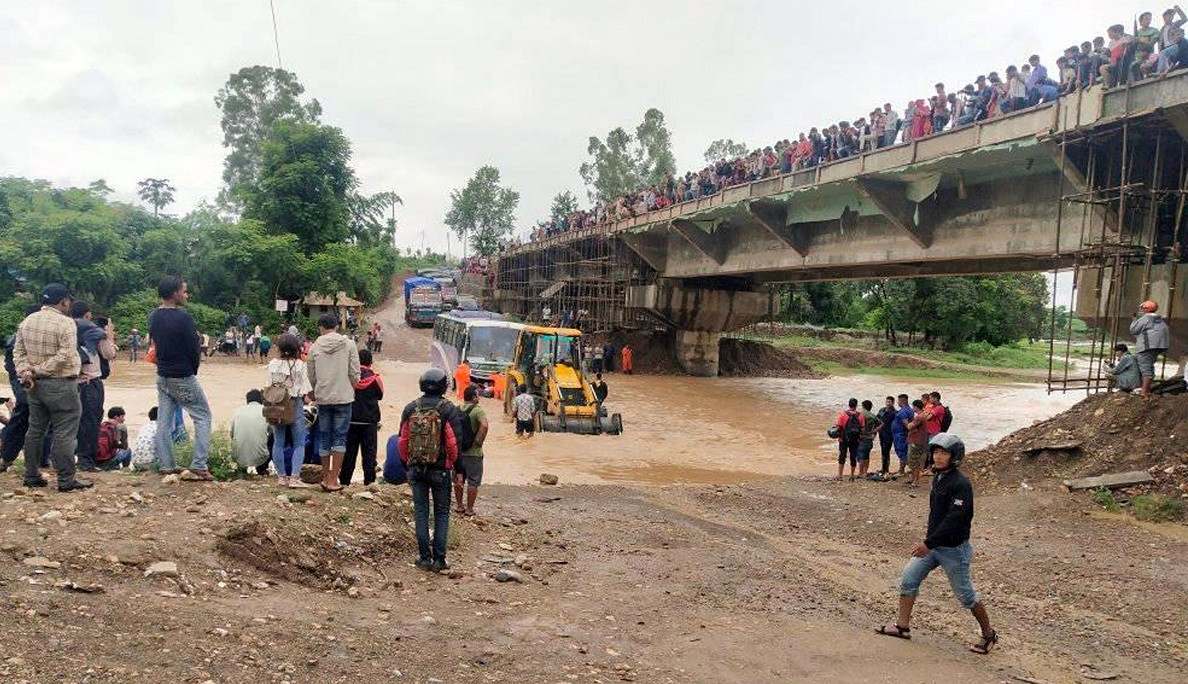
275	34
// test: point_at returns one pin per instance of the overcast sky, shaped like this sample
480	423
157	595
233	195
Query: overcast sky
427	92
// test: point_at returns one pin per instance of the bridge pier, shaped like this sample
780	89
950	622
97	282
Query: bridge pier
699	316
697	352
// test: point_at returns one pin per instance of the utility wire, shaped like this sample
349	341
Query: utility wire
275	34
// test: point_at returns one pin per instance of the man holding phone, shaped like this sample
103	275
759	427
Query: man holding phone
46	357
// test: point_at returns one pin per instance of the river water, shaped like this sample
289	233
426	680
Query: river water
676	429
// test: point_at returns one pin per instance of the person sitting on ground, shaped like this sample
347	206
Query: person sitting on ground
870	428
849	433
363	434
469	468
1151	338
144	451
249	432
946	544
113	452
917	442
1124	370
394	470
524	408
429	429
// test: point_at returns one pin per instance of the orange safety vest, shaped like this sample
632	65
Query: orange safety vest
498	384
462	378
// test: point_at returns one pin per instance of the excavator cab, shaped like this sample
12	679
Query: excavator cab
548	364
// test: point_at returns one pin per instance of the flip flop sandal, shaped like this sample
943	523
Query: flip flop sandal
895	631
987	643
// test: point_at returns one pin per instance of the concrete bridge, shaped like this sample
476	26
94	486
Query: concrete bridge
1095	181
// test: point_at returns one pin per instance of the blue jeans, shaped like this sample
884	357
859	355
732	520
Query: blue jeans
280	435
436	481
333	422
188	394
954	560
122	459
864	448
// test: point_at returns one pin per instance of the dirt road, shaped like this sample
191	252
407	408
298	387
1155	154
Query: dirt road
704	545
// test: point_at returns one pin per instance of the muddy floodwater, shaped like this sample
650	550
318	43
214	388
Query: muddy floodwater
676	429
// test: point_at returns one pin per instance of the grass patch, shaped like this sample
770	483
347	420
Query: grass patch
220	461
1151	508
1102	496
834	368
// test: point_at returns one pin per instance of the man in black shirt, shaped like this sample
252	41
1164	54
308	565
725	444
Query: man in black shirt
176	339
946	545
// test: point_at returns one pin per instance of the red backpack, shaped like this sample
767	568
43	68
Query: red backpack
109	441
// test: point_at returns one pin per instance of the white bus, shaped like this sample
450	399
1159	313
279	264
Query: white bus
483	338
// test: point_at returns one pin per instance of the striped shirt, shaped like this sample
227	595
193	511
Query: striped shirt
47	344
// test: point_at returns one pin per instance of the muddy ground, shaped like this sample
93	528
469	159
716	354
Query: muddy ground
756	568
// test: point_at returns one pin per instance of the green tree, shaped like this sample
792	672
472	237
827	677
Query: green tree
373	219
305	185
623	164
483	212
100	187
253	101
157	192
564	204
724	149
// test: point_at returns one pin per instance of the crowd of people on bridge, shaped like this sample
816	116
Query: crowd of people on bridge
1119	58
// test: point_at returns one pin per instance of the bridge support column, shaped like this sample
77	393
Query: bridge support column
697	352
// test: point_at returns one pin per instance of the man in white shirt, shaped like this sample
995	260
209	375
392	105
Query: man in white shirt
249	432
524	406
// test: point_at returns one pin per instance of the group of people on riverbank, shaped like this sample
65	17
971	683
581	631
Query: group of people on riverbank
1117	59
901	425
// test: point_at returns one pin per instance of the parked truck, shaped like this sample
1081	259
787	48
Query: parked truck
422	301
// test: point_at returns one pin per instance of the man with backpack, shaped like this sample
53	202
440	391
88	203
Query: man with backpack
429	430
113	452
469	469
940	418
849	432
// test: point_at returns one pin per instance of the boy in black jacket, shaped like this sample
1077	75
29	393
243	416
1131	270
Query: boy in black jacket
365	418
946	545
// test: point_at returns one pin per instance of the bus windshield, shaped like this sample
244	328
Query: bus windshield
489	344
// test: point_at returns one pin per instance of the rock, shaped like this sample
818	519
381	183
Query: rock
547	479
135	496
353	592
508	576
506	547
80	588
219	632
50	515
454	573
41	562
521	560
162	569
365	496
170	479
260	585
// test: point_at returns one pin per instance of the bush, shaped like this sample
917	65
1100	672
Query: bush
221	460
1153	508
12	312
1102	496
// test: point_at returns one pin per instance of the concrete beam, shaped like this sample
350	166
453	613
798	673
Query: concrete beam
891	199
775	221
701	240
650	247
699	309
